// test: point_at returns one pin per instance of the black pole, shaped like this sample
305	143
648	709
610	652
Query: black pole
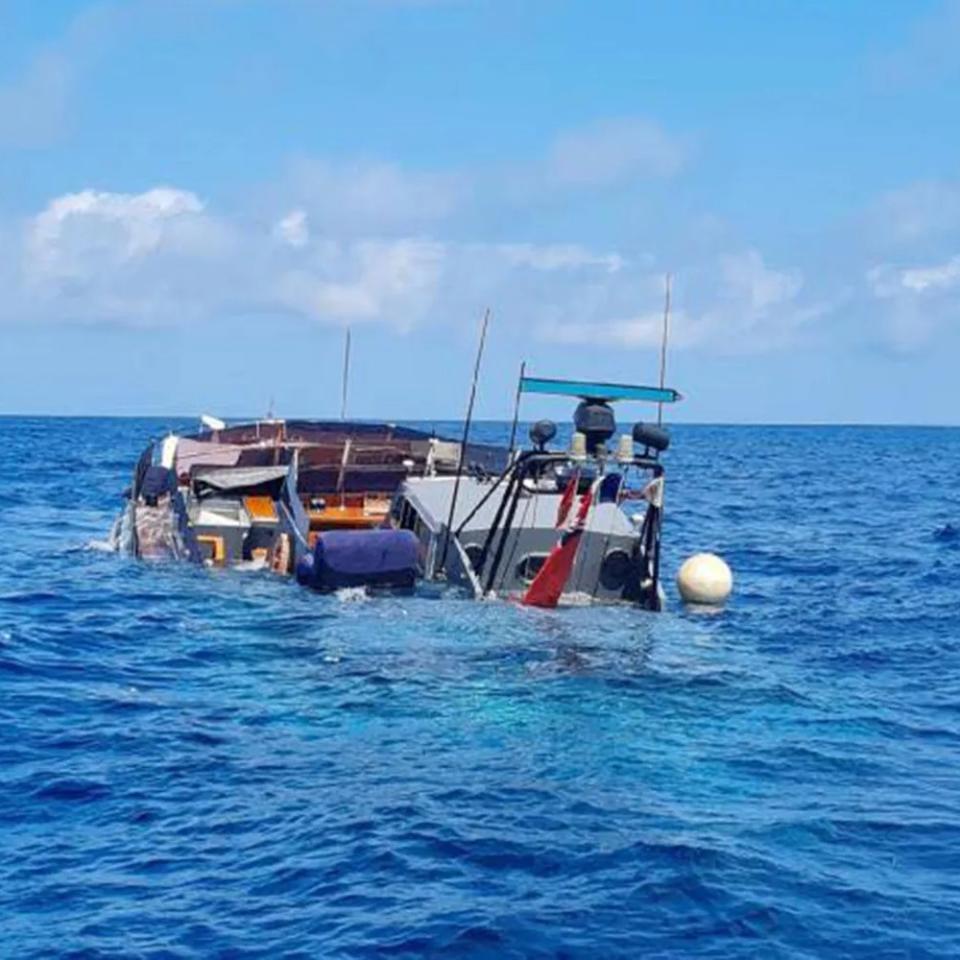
507	526
346	376
516	407
663	343
466	436
497	518
539	457
482	501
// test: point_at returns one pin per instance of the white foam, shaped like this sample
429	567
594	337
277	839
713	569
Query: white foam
100	546
352	595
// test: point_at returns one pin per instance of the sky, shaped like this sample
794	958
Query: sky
198	197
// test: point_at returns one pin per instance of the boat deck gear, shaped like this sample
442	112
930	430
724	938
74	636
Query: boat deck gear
519	535
388	559
375	504
267	491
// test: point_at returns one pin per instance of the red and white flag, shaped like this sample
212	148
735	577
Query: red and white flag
566	501
548	584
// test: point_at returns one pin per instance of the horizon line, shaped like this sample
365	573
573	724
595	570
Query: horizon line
489	420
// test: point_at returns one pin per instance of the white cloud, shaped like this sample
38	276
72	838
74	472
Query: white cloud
642	331
747	281
121	226
606	155
552	257
613	151
361	196
887	282
734	302
916	301
293	229
390	281
163	257
945	276
918	211
33	107
135	258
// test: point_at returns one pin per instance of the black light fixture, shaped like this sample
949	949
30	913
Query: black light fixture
651	436
594	419
542	432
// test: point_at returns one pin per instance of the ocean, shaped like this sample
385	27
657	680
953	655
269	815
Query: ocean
199	763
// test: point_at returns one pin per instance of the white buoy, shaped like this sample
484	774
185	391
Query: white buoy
705	579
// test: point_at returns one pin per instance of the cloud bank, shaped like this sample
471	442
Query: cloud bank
163	257
369	242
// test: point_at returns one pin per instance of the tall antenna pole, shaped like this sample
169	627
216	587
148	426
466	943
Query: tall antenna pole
346	376
516	407
663	343
466	435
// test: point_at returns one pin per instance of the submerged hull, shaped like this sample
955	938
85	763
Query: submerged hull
279	494
356	504
467	547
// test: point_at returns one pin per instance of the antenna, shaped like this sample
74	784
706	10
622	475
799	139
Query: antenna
663	343
466	435
346	375
516	406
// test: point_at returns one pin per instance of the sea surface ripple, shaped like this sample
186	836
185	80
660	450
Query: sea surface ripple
197	763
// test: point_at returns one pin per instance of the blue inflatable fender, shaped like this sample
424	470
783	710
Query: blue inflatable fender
388	559
305	570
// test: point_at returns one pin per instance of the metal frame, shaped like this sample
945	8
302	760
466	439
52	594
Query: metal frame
524	466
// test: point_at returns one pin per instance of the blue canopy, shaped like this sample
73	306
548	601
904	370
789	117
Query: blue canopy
590	390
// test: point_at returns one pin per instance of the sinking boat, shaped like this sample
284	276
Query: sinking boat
575	525
345	504
293	496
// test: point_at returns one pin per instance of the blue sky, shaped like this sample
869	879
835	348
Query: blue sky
198	196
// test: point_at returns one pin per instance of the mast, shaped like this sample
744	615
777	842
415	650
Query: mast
466	436
516	406
663	343
346	375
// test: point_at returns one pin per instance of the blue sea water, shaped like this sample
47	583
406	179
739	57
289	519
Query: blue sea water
201	763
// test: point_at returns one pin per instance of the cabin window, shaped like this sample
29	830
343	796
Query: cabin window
530	566
406	516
